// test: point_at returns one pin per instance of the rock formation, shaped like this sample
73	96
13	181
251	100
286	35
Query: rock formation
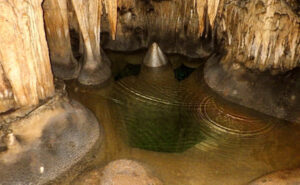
262	34
64	64
42	132
95	69
24	58
252	33
119	172
127	172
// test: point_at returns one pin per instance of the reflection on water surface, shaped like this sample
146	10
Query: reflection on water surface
168	119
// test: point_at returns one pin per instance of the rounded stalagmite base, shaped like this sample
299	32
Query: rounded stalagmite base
66	72
274	95
98	74
47	142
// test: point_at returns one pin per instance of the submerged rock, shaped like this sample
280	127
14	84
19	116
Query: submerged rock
285	177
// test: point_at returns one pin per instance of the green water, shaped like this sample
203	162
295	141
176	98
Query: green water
169	120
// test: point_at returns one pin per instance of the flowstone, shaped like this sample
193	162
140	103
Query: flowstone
47	142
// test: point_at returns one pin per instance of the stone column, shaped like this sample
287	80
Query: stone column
25	71
95	69
57	30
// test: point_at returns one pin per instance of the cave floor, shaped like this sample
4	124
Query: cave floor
183	131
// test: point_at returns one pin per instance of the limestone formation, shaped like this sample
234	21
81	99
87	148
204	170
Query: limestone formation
111	7
25	65
155	57
172	24
95	69
64	65
42	133
274	95
262	34
255	32
47	142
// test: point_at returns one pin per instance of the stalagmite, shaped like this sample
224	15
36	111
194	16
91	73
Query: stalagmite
111	9
63	62
155	57
24	52
96	69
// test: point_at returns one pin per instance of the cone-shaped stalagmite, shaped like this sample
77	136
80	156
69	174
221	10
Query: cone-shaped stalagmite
155	57
63	62
96	69
24	53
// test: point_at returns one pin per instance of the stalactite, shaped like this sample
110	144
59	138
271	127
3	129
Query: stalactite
111	9
212	10
207	8
58	37
267	38
201	5
23	51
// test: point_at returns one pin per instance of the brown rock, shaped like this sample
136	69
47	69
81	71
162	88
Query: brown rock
286	177
127	172
120	172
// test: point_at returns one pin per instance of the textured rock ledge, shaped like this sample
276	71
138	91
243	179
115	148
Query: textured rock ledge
45	142
274	95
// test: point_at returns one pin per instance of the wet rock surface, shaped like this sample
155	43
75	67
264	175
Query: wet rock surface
274	95
47	142
284	177
120	172
127	172
97	72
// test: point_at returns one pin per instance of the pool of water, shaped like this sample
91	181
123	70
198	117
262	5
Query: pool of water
171	121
